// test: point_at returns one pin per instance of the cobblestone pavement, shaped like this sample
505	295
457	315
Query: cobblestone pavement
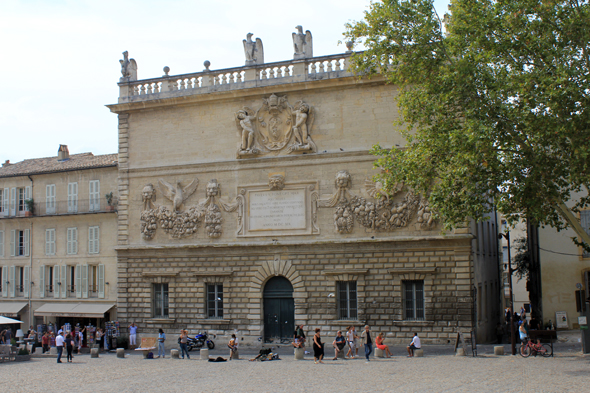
438	371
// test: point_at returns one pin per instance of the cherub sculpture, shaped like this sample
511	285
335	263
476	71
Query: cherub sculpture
177	195
253	50
302	43
244	118
302	121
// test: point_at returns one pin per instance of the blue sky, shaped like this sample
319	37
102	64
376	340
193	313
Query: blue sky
60	64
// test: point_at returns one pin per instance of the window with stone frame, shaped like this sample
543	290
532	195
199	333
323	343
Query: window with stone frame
413	300
160	301
215	301
347	300
585	222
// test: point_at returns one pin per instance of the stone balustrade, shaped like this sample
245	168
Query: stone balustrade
292	71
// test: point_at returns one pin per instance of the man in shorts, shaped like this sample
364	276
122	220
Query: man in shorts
415	344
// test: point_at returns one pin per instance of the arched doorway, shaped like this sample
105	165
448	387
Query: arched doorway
279	310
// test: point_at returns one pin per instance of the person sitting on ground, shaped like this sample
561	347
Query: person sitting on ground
381	346
338	343
415	344
233	346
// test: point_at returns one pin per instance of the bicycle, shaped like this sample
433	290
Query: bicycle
531	348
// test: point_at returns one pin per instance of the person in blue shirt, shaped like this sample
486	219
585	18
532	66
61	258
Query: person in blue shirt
161	339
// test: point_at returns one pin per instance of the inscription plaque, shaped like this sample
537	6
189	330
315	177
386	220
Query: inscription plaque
277	210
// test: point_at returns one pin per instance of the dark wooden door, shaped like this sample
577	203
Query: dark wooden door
279	310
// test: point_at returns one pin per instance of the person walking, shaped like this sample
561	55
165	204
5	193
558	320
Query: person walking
366	337
32	336
233	346
318	347
69	348
161	339
415	344
351	337
59	344
80	339
99	336
133	335
182	340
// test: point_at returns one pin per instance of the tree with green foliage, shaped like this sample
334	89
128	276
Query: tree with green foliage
495	102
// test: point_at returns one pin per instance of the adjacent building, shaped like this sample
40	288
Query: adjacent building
57	232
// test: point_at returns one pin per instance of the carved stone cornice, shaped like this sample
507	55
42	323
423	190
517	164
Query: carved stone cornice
159	274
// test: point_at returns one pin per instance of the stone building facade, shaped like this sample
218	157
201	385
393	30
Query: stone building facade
247	204
57	236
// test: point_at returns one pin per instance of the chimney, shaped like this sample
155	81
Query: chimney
6	163
63	154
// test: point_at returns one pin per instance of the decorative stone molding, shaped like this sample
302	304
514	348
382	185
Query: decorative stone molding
182	224
212	274
276	182
275	127
379	215
278	267
422	271
356	272
159	274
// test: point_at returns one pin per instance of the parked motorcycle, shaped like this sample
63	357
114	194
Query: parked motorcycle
200	341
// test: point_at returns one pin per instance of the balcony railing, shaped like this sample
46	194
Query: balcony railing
291	71
69	207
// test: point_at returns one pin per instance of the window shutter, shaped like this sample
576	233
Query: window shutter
72	197
56	286
26	245
94	192
64	281
12	243
6	201
42	281
13	201
69	241
26	281
47	242
78	281
101	281
84	281
90	240
12	280
74	240
1	243
5	278
50	198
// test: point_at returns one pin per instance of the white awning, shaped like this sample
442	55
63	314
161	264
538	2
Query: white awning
11	309
84	310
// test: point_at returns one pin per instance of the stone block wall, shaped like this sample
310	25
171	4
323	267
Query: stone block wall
313	269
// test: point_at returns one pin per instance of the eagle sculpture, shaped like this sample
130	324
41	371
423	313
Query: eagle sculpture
177	195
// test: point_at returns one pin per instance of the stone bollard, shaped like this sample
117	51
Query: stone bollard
419	353
235	355
204	353
499	350
342	353
94	352
174	354
52	351
121	353
299	353
379	353
460	352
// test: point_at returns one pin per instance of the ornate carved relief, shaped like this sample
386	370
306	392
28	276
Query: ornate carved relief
380	215
276	182
276	127
181	224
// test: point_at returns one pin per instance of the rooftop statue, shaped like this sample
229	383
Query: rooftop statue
128	68
302	43
253	50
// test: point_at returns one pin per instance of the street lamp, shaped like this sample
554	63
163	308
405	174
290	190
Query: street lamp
512	333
